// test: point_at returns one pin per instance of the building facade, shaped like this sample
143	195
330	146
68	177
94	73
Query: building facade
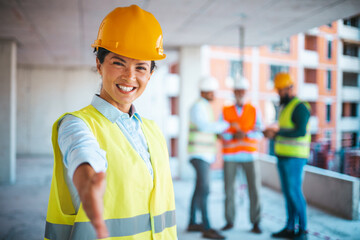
325	65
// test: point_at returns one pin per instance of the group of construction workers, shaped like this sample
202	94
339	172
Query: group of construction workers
111	175
239	127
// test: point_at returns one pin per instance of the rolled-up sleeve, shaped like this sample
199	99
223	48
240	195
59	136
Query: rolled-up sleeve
78	145
199	116
225	135
256	133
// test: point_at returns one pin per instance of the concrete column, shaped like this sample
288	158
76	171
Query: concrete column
255	76
300	63
339	101
358	111
8	111
190	70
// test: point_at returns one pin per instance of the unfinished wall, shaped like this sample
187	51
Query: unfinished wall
330	191
45	93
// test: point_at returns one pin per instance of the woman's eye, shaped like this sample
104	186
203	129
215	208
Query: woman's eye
141	68
118	63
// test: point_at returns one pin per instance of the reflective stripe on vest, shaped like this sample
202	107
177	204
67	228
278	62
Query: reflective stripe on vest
165	220
57	231
201	142
293	142
116	227
245	122
292	147
240	143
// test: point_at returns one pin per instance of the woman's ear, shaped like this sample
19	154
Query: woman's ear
98	66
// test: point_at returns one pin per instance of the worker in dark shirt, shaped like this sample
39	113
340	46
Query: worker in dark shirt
300	118
292	148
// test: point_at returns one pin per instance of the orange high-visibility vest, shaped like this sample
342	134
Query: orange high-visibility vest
245	122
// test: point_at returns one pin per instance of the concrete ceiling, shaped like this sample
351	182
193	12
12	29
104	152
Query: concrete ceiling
60	32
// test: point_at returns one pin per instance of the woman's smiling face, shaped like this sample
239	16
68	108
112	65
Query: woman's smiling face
123	79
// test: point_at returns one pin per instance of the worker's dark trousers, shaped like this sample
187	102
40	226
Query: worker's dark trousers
201	192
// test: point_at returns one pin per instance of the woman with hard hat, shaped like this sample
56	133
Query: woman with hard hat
111	174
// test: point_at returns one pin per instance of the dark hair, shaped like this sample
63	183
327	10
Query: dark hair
102	52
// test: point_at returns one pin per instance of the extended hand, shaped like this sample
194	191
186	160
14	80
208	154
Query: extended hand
91	188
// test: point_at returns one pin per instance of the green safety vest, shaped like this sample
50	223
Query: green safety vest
202	142
136	207
292	147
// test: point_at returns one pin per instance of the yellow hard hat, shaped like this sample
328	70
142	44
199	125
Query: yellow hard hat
282	80
131	32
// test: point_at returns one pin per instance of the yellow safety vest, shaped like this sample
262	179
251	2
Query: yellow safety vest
202	142
135	205
292	147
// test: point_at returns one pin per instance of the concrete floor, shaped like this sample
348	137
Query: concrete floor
23	209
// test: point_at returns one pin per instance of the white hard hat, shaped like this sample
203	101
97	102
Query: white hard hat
208	84
229	82
241	83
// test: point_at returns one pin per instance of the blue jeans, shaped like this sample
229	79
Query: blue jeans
201	192
291	178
